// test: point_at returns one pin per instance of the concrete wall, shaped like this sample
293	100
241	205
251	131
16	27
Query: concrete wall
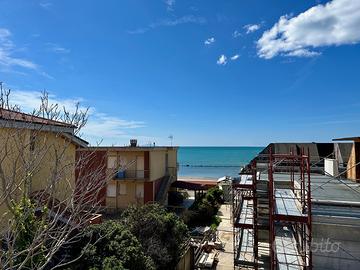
344	234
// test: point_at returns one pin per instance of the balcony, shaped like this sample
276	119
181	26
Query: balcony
131	175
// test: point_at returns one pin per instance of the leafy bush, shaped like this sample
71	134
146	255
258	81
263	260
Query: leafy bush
204	209
113	246
162	234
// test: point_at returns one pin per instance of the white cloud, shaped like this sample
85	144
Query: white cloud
7	49
45	5
169	4
234	57
209	41
236	34
222	60
169	22
251	28
332	24
100	126
57	48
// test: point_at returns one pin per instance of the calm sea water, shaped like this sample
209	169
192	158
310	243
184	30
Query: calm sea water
214	162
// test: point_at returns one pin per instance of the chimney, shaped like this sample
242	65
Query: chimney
133	142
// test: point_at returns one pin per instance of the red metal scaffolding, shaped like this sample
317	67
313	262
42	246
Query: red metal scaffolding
290	214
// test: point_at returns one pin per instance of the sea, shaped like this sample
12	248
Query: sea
214	162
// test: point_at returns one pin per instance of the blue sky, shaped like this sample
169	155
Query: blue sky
207	72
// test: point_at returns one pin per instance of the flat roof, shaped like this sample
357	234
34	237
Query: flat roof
326	188
331	197
347	139
129	148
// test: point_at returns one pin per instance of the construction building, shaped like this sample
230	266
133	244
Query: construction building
288	215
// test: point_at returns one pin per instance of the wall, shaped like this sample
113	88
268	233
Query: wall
91	178
157	164
351	170
12	164
58	159
346	232
187	260
121	201
28	160
172	153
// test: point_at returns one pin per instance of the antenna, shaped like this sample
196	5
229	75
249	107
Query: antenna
171	137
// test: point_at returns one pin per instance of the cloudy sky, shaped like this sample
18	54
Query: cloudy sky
207	72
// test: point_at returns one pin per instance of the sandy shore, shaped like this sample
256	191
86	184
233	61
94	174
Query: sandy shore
181	178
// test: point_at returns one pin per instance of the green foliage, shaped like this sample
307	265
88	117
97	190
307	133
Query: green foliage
216	220
24	230
177	198
113	246
204	209
161	234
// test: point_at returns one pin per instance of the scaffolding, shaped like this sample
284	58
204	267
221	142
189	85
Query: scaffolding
288	220
290	214
245	233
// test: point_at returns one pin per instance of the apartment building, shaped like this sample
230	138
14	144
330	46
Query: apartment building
132	174
36	154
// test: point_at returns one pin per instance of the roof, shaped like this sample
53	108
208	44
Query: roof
23	120
28	118
130	148
194	184
347	139
325	187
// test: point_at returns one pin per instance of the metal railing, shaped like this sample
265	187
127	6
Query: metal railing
131	174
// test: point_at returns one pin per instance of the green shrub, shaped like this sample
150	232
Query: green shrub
113	246
162	234
204	209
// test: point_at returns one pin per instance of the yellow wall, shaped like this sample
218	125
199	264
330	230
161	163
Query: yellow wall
121	201
12	164
173	162
57	157
36	165
157	164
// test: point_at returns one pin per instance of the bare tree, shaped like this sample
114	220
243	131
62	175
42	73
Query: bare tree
43	210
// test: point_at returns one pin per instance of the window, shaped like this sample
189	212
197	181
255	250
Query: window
111	190
139	190
122	188
111	162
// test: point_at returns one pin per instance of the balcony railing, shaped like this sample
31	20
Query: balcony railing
131	174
